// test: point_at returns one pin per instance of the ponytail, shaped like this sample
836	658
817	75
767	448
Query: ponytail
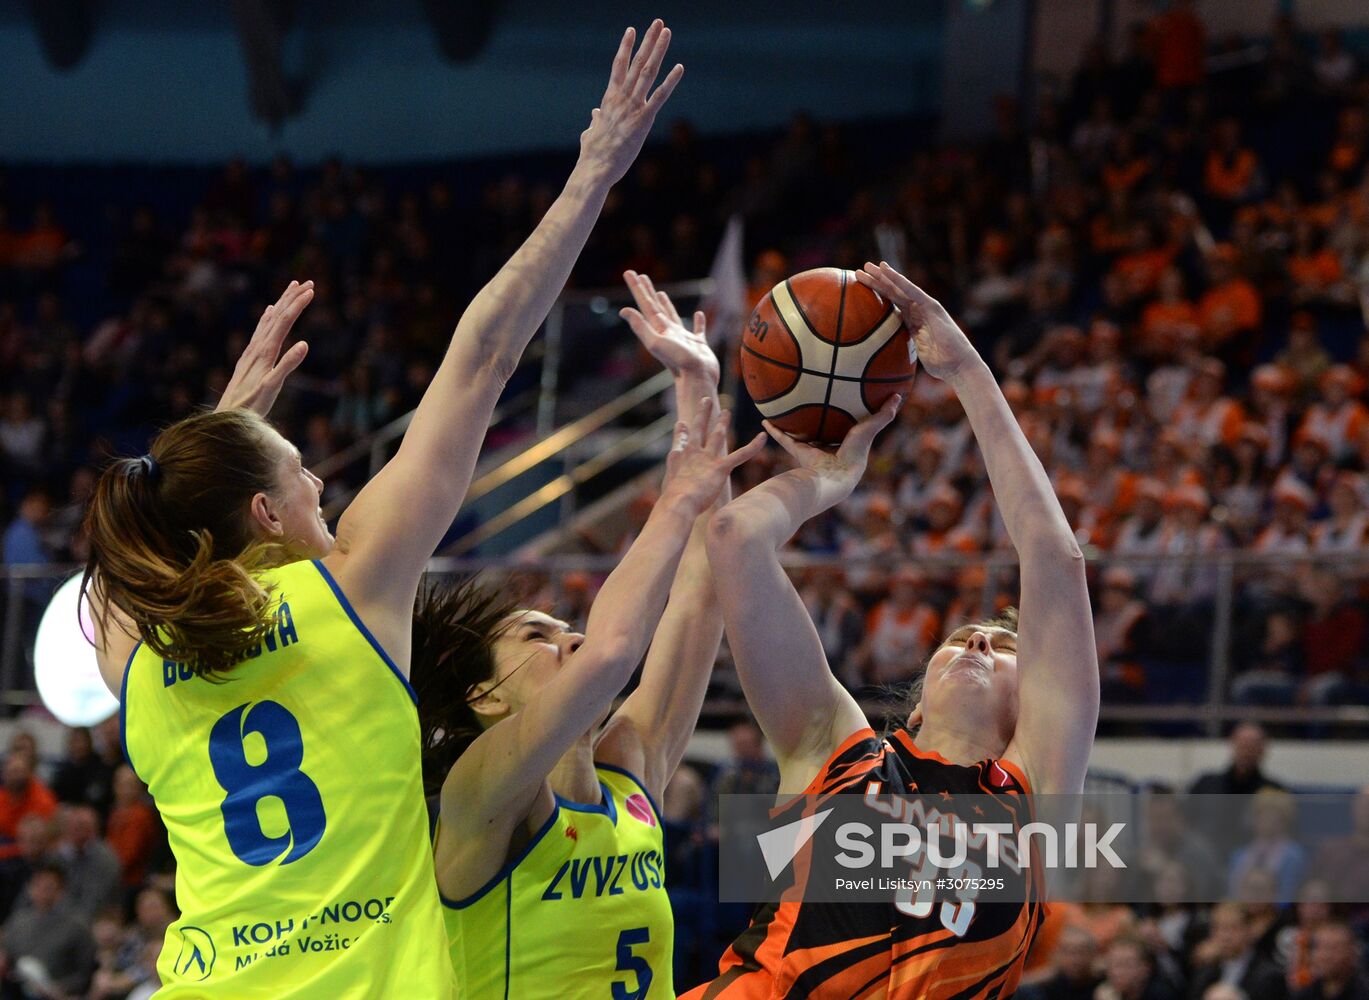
172	545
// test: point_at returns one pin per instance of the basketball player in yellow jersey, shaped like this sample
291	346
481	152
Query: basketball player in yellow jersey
263	665
549	843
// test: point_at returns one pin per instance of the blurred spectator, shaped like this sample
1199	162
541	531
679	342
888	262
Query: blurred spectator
82	777
749	772
1129	973
1336	966
133	826
1344	861
900	631
1272	848
1245	774
1171	840
48	932
34	845
1073	960
837	618
1118	627
23	545
1228	956
92	868
1294	942
21	794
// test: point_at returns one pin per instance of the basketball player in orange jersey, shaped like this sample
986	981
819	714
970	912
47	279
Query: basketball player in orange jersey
1005	710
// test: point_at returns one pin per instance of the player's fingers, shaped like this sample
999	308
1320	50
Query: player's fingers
633	280
861	436
681	440
621	58
782	439
704	418
668	308
637	322
641	87
906	287
289	361
717	436
700	324
639	59
666	88
746	452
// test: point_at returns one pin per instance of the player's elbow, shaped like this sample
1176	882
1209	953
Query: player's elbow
731	534
1057	549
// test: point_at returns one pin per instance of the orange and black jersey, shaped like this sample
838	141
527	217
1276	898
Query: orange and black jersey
840	951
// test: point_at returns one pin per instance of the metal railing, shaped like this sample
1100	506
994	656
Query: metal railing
1237	575
540	402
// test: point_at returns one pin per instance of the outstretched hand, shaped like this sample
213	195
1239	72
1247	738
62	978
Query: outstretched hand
620	124
942	347
699	463
838	472
658	326
262	369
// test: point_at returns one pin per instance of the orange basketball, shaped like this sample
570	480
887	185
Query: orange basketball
822	351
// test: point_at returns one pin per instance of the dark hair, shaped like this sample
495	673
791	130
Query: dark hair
455	626
912	693
171	540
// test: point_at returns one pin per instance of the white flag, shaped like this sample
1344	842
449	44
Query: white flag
725	304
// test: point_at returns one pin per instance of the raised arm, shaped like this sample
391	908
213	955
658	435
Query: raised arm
1057	659
493	786
802	709
649	733
388	533
257	379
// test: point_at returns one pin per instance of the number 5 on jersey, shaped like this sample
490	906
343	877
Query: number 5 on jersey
636	964
278	776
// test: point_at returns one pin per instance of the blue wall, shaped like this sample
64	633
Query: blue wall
164	81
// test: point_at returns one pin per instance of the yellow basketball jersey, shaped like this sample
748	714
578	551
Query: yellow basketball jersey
292	795
580	914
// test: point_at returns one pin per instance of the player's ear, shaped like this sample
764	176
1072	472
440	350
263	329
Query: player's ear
915	716
486	700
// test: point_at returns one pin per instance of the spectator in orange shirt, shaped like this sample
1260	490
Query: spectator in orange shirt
1231	173
946	533
133	826
900	631
1117	627
1165	321
1314	269
1125	167
1178	45
1350	150
1110	487
21	794
1339	417
1206	417
1230	307
1140	268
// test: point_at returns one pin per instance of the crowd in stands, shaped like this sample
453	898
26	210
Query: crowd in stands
1166	260
1167	263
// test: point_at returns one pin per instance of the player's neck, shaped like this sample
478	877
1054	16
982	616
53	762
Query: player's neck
956	747
573	778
